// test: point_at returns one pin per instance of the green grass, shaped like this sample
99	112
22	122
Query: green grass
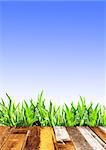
36	112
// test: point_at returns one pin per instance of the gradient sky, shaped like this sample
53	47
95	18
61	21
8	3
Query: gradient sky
54	46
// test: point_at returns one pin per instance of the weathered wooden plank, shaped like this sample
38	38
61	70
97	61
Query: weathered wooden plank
33	139
46	139
61	134
96	137
63	140
78	139
100	133
90	139
14	142
4	133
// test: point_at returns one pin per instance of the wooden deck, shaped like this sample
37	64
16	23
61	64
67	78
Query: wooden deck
52	138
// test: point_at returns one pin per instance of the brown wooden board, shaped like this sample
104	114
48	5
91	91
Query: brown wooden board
14	142
33	139
4	133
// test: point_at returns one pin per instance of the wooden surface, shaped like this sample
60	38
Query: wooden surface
52	138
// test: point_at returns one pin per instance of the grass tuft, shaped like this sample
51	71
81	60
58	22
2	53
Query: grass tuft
37	113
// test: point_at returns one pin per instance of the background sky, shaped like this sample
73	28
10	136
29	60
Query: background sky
54	46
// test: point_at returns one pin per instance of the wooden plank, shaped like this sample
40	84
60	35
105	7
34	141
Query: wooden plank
61	134
100	133
63	140
96	137
78	139
46	139
4	133
90	139
14	142
33	139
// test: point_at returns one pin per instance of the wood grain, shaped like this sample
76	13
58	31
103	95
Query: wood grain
14	142
46	139
99	133
4	133
61	134
33	139
96	137
94	143
78	139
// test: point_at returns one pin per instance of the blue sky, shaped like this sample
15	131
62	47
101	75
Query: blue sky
54	46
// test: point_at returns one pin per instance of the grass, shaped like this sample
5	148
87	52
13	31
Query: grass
37	113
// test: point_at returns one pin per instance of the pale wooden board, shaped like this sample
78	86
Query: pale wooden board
46	139
61	134
96	137
78	139
90	139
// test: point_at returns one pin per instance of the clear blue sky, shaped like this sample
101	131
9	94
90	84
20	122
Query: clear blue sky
54	46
